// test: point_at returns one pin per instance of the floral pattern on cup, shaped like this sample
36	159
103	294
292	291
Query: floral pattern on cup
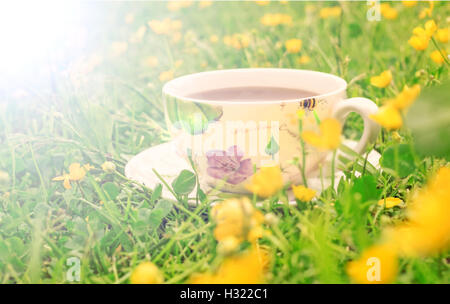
229	165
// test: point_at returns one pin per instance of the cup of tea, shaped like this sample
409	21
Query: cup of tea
232	122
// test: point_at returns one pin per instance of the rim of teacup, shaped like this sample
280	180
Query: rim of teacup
170	87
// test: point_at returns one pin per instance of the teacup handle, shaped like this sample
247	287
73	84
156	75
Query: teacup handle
363	107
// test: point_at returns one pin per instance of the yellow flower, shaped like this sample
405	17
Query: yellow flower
382	80
409	3
303	193
405	98
228	245
275	19
237	218
213	38
329	137
165	26
330	12
427	230
76	173
238	41
146	273
390	202
262	2
177	5
377	265
437	57
293	45
304	59
151	61
246	268
427	12
420	43
108	166
388	11
430	28
178	63
166	76
138	35
266	182
388	117
203	4
118	48
88	167
443	35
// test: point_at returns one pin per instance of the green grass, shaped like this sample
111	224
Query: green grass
116	112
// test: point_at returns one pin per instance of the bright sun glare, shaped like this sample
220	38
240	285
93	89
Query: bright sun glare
34	35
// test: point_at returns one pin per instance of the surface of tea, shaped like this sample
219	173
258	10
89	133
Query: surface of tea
252	94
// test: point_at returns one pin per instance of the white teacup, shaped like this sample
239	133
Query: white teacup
229	140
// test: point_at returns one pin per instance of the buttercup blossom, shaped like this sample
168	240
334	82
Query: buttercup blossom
377	265
76	173
420	43
390	202
166	26
266	182
293	45
406	97
177	5
275	19
382	80
203	4
409	3
304	59
262	2
430	27
329	137
213	39
108	166
443	35
427	12
246	268
151	61
437	57
237	219
146	273
118	48
330	12
138	35
388	11
238	41
166	75
303	193
427	230
388	117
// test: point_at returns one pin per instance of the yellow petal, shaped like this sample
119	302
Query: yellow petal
406	97
420	43
329	137
390	202
437	57
146	273
388	117
76	172
382	80
443	35
266	182
66	183
377	265
303	193
430	27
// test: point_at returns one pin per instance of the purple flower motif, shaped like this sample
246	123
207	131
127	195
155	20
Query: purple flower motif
228	165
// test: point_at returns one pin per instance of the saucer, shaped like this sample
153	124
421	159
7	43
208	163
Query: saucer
164	160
